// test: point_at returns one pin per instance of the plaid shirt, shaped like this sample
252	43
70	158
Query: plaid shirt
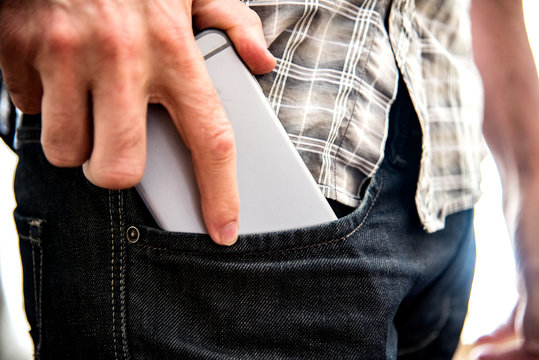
336	79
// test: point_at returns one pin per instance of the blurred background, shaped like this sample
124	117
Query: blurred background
494	288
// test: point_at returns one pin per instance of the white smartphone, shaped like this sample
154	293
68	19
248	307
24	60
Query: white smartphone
277	191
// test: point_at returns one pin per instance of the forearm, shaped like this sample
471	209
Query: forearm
511	128
504	58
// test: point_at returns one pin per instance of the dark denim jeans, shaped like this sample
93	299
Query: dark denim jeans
101	281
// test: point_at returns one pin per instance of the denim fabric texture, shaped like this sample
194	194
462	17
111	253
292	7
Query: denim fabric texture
102	281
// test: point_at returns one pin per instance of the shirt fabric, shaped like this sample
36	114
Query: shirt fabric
338	66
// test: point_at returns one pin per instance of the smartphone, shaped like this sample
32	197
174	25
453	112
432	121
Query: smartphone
277	191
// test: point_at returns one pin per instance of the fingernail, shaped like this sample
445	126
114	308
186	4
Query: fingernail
228	234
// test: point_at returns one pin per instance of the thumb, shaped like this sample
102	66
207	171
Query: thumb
505	332
530	321
242	25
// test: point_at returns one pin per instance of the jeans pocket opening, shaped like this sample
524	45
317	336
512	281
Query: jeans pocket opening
154	239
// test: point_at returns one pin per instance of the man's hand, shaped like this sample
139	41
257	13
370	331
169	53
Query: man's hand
503	55
518	338
506	342
91	68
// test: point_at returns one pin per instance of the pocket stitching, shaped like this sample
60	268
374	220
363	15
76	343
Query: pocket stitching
38	304
33	240
329	242
113	304
117	270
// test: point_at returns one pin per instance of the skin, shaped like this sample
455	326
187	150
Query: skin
91	68
511	128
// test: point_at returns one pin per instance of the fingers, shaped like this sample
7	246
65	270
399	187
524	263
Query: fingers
506	343
242	25
119	110
504	333
65	133
16	56
198	114
212	142
24	86
109	65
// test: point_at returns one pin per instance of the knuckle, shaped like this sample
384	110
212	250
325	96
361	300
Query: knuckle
114	174
24	88
118	38
62	144
127	137
118	44
60	39
62	154
122	166
23	102
220	142
252	18
170	38
63	159
212	137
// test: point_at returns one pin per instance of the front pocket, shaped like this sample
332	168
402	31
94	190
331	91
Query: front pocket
30	239
304	293
154	239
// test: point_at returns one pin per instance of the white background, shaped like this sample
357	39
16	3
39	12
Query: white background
493	293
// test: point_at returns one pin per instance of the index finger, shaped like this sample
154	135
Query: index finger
194	106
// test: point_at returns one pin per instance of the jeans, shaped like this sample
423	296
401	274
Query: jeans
101	281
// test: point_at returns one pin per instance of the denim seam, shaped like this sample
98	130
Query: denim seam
35	241
123	327
112	279
40	317
329	242
37	296
434	334
35	283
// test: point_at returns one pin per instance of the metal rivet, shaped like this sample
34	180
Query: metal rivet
133	234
